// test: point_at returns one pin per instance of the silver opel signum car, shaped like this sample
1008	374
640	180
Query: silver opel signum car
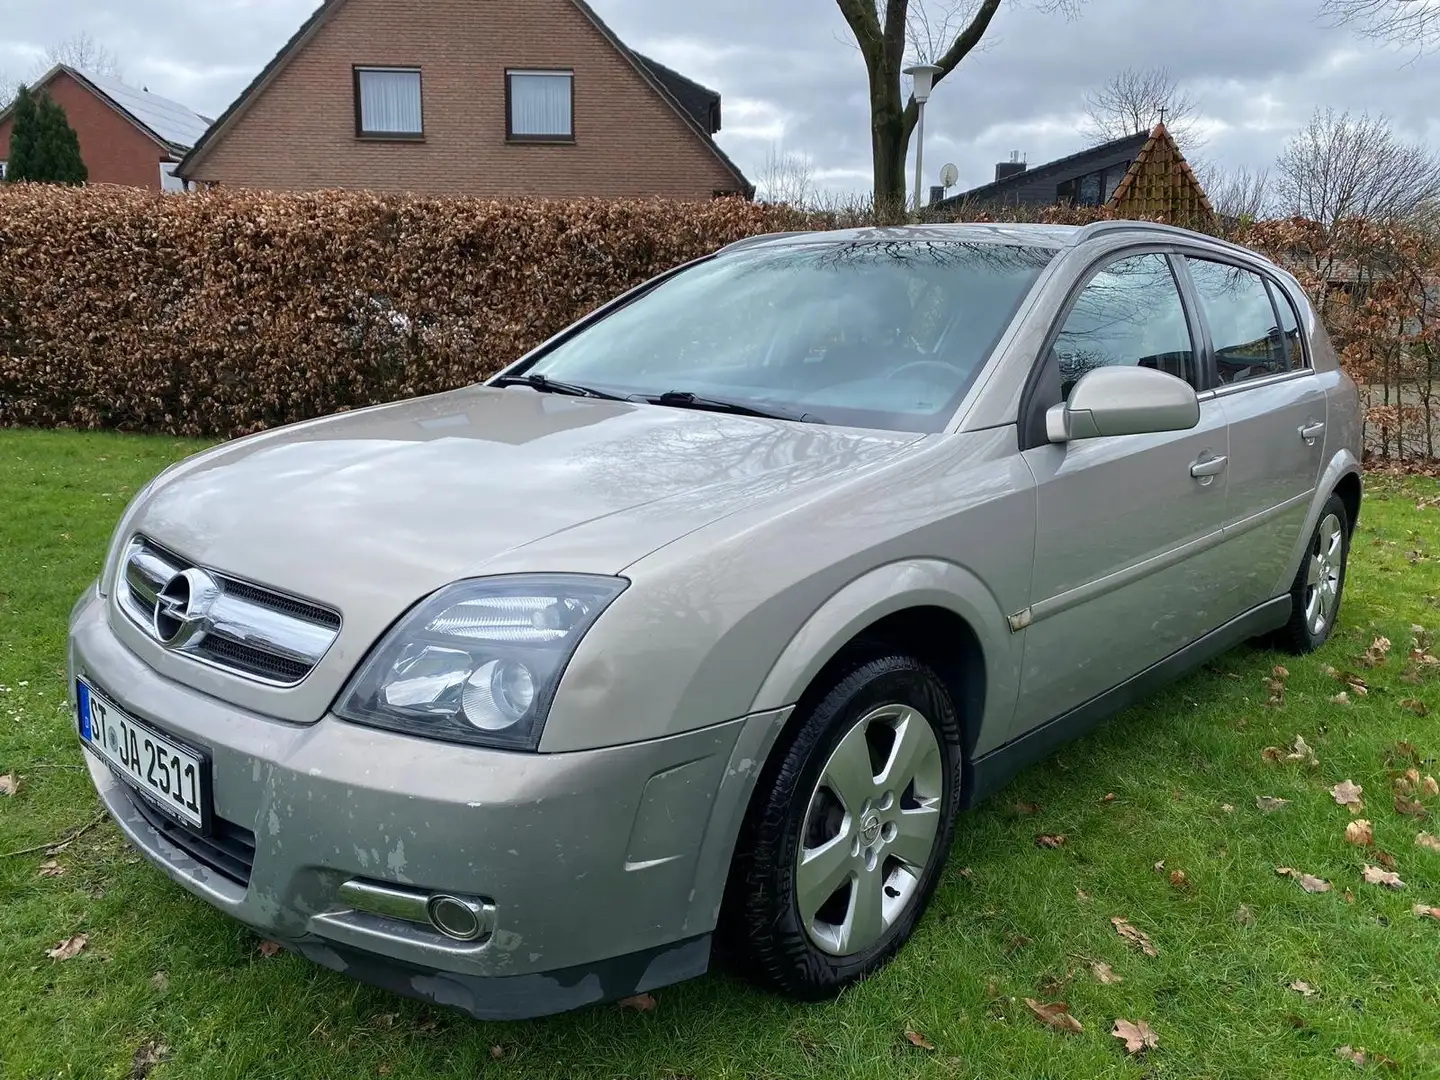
698	627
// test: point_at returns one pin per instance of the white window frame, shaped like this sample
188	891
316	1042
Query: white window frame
361	131
511	134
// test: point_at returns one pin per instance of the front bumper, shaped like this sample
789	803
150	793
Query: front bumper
605	868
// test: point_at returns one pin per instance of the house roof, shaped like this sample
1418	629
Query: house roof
681	94
1074	163
169	123
1161	149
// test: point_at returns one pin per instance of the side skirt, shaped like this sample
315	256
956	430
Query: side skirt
994	770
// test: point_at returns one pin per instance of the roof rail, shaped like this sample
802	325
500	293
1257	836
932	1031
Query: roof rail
1100	228
752	241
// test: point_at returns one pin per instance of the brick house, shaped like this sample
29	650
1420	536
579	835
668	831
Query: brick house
500	98
127	135
1141	174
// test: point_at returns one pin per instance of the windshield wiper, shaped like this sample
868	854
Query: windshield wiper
546	385
684	399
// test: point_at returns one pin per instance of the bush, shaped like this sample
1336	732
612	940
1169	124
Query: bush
43	146
222	313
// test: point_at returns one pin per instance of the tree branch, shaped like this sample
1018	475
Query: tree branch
865	25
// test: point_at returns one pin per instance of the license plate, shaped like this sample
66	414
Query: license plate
173	777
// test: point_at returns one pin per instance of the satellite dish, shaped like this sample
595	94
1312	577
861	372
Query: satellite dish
949	175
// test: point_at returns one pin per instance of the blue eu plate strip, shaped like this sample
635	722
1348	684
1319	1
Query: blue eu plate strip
82	700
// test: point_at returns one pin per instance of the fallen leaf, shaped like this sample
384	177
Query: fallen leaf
1178	879
1109	797
1159	867
1049	840
1355	1057
1104	973
966	873
1415	705
1402	752
639	1002
1413	776
1347	794
1425	840
269	948
385	1020
1280	672
1244	916
1309	882
9	784
1227	808
1375	875
916	1039
1349	897
1352	681
1055	1015
51	868
1375	655
497	1052
1341	698
1136	937
1026	808
383	1070
1385	859
1409	806
1359	831
1299	752
1137	1036
1270	803
1301	987
1432	786
1426	911
68	948
160	981
147	1055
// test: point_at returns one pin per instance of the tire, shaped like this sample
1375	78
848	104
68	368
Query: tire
1320	582
830	791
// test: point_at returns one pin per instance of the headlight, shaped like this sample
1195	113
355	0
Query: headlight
479	661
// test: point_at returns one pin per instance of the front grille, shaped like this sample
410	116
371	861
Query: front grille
229	850
242	627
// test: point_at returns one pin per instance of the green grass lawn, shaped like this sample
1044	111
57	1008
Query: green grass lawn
162	976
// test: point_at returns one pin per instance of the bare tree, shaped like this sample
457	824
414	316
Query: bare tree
1242	194
1342	166
1134	100
786	177
890	32
8	86
1405	22
84	52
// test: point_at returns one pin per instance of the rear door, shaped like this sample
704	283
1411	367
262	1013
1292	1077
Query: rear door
1128	566
1276	406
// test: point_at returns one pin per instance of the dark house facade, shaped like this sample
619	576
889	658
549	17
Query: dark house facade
1140	175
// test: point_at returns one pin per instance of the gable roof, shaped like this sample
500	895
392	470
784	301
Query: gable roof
1074	163
174	126
681	94
1179	189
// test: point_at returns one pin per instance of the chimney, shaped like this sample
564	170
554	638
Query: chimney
1014	167
936	194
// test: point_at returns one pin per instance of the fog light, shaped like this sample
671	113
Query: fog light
463	920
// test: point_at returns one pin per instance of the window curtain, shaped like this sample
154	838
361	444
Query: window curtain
540	105
390	102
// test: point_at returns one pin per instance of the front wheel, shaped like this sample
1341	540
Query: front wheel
1320	582
845	841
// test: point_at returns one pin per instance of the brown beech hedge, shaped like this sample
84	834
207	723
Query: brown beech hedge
222	313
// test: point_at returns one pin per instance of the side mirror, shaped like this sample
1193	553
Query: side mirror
1123	401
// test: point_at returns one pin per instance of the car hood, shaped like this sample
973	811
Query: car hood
369	511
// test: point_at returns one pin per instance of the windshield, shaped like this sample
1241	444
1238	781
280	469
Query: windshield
881	335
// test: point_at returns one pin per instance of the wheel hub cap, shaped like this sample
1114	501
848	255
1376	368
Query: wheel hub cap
1322	579
870	830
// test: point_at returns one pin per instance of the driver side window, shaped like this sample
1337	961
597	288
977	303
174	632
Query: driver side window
1129	314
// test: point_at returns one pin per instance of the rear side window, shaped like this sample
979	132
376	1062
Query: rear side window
1248	339
1129	314
1289	327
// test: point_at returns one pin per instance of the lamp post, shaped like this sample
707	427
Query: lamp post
924	76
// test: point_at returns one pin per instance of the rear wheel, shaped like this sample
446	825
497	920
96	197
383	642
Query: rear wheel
1318	586
847	835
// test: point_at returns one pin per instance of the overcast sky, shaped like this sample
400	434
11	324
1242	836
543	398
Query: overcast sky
792	82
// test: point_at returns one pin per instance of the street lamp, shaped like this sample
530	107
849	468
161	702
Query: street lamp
924	76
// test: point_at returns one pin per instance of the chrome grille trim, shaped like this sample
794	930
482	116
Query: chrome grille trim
251	631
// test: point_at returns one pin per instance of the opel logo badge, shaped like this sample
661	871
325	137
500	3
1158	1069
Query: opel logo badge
182	610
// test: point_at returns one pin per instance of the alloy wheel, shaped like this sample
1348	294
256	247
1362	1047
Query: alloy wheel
1322	580
870	830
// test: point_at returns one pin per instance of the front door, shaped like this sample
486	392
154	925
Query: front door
1276	406
1127	556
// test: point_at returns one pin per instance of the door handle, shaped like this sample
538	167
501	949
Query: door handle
1311	432
1208	467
